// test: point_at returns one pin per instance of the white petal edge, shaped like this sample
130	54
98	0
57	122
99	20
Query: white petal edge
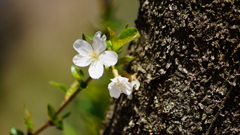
114	79
83	47
128	89
81	61
123	79
96	69
114	92
109	58
99	44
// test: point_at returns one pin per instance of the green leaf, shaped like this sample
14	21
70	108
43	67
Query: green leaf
66	115
112	35
77	73
125	59
56	121
29	124
58	124
28	120
127	35
109	44
119	51
89	37
14	131
58	85
51	112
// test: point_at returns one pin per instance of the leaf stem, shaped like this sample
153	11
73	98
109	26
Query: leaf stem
62	106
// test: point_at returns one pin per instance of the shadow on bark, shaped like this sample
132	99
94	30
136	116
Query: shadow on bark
187	61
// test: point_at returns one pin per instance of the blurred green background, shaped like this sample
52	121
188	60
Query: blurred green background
36	47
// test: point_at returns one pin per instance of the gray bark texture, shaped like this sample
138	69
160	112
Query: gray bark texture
188	58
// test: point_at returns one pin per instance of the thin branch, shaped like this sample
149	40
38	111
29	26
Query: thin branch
44	126
63	105
70	99
223	103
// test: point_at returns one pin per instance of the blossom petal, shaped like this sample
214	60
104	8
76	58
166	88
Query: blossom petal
81	61
122	79
83	47
99	44
114	80
128	88
109	58
114	92
96	69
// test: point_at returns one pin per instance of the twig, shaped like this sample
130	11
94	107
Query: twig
223	103
63	105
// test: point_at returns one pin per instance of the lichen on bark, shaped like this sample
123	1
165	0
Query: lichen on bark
188	56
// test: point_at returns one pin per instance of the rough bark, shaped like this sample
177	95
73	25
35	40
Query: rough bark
187	60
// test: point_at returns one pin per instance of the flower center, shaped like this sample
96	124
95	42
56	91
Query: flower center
120	85
92	55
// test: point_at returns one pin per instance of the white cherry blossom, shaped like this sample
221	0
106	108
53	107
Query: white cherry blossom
94	55
119	85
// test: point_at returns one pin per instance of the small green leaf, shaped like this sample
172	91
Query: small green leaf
56	121
59	124
77	73
51	112
14	131
28	124
112	35
89	37
127	35
28	120
125	59
119	51
66	115
58	85
109	44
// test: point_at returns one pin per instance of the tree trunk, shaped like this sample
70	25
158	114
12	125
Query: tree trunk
187	63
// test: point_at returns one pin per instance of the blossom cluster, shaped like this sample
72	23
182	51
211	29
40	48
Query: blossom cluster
97	57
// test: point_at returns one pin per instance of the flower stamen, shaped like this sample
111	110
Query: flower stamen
119	85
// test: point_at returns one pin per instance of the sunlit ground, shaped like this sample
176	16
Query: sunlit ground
36	47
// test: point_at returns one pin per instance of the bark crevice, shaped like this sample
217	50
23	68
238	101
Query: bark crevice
187	60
